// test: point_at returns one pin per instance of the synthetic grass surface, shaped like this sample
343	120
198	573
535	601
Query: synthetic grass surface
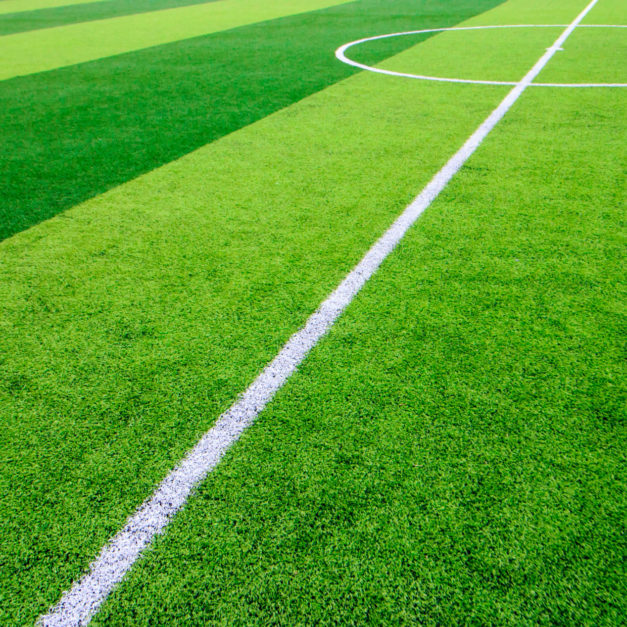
595	55
534	12
73	133
497	54
132	321
79	43
13	6
454	451
59	16
607	13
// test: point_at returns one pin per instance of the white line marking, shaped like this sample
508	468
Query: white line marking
340	53
84	598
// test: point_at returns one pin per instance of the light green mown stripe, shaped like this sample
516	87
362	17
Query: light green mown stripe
77	43
532	12
22	22
13	6
593	56
448	56
608	12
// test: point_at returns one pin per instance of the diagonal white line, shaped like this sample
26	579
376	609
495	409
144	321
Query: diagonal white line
84	598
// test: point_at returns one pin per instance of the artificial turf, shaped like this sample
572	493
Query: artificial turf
75	132
130	322
454	451
506	52
594	55
74	44
50	17
15	6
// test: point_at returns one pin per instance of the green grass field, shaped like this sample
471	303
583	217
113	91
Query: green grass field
184	182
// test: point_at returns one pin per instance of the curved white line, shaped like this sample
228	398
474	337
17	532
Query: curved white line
340	54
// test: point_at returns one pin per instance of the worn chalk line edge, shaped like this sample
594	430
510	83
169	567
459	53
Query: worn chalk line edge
78	604
340	54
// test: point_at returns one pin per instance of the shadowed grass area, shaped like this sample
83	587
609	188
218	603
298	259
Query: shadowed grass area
454	451
87	12
73	133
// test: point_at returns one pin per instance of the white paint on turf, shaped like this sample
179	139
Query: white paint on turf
85	597
340	53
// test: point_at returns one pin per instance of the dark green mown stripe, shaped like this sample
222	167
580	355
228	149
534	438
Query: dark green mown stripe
60	16
73	133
